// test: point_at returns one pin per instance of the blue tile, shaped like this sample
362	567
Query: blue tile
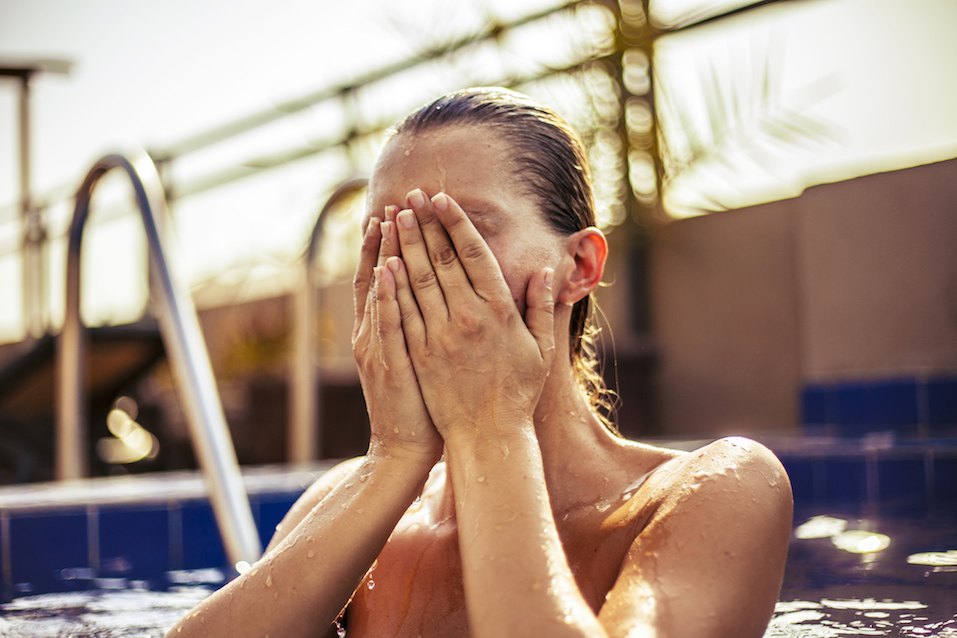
878	405
902	487
817	405
942	401
845	481
43	545
6	590
202	544
945	482
272	507
134	541
801	473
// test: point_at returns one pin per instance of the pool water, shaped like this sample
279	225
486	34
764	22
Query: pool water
102	613
846	576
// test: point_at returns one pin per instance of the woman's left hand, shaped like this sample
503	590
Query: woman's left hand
481	368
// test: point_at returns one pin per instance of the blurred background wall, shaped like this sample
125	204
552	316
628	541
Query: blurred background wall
775	178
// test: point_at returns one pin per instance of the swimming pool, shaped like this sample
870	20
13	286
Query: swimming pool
874	551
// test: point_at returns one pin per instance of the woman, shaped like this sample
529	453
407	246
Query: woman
478	261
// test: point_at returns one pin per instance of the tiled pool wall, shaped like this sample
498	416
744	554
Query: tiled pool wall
883	448
880	445
139	531
909	407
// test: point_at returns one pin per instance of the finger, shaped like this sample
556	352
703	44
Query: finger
451	275
477	259
368	255
409	312
388	323
390	212
540	312
422	278
389	246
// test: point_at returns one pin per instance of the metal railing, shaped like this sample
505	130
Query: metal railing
305	427
186	350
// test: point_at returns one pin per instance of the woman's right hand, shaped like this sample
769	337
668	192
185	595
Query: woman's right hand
399	420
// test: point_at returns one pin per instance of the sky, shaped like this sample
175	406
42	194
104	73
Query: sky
874	77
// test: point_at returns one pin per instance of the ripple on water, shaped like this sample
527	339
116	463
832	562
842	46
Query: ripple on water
104	614
832	618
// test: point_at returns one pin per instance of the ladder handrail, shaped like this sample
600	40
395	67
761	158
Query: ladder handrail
185	347
305	426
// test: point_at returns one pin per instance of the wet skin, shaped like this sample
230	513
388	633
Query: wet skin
538	522
635	522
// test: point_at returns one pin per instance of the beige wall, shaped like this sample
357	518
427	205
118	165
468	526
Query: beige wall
879	275
725	318
851	280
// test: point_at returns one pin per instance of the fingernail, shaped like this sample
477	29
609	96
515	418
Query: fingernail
440	201
416	198
390	212
406	218
386	230
393	263
371	224
549	275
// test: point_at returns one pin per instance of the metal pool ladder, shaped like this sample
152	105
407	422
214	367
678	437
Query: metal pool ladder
185	348
305	426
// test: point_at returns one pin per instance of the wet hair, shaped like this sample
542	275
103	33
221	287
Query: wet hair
550	163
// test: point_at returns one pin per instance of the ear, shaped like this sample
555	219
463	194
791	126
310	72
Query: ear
588	250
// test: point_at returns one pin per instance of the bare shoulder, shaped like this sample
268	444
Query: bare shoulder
312	496
734	488
713	551
729	468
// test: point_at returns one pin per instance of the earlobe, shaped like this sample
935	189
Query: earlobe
588	250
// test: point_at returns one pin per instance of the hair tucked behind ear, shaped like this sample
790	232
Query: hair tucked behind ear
551	161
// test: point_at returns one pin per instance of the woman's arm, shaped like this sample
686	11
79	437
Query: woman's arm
510	547
299	587
481	370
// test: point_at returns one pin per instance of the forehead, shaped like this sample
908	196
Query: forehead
470	163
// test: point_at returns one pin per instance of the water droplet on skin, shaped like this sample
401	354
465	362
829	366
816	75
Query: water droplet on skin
269	580
311	553
603	507
395	430
481	479
363	478
340	630
505	452
370	584
626	496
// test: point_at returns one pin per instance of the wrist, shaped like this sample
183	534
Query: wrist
492	445
403	456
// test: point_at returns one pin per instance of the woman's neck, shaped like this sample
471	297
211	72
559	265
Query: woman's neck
577	448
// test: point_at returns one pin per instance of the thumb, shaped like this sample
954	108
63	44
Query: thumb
540	312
